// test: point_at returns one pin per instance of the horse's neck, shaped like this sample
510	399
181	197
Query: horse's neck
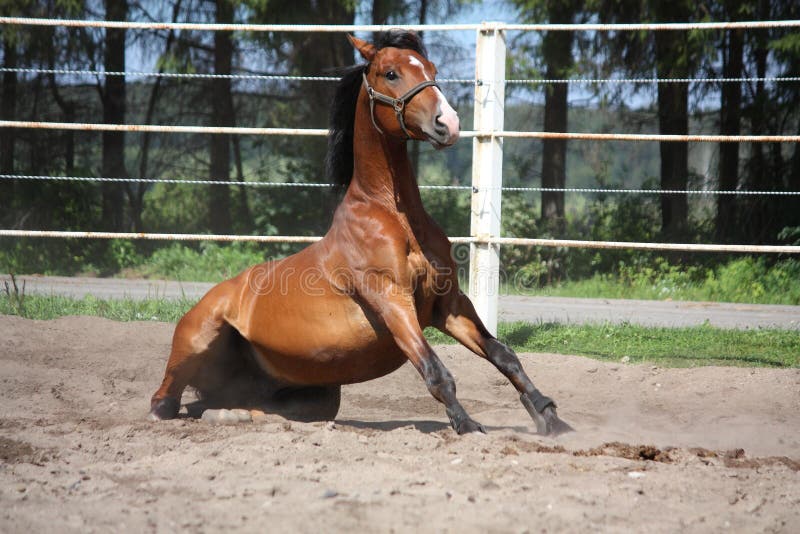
382	171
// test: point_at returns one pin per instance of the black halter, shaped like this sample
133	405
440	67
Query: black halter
398	104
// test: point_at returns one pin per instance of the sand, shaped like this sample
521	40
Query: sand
655	450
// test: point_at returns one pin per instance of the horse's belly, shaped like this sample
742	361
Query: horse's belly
320	340
332	365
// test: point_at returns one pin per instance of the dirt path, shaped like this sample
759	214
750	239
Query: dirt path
76	454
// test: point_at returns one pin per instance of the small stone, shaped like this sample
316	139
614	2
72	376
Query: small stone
456	461
243	415
471	498
592	370
330	494
635	474
330	426
625	359
258	416
219	417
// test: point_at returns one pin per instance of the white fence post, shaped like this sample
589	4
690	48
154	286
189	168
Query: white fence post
487	172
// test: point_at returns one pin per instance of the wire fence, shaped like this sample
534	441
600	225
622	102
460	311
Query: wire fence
257	184
482	27
288	78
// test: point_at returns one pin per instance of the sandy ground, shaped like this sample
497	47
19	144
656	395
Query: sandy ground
77	454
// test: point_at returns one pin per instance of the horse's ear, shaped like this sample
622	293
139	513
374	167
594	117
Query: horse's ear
367	50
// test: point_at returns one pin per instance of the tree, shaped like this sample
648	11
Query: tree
770	108
113	97
673	59
8	112
557	51
732	50
219	211
9	105
667	54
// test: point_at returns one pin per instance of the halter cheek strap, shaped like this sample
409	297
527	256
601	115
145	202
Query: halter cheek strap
398	104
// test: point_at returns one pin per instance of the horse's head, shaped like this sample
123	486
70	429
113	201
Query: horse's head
404	98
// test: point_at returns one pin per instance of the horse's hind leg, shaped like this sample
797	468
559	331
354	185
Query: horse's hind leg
200	357
456	317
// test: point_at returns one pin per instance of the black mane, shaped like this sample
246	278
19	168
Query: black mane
339	159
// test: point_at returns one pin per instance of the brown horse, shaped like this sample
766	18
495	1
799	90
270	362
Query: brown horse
353	306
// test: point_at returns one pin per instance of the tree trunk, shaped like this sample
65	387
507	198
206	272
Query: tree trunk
319	53
794	175
381	9
730	115
113	164
557	50
243	217
136	191
8	111
759	211
67	107
673	119
219	208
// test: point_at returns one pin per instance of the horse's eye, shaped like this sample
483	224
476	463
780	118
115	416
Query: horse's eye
391	75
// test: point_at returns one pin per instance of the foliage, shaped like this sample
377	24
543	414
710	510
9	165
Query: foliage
744	280
770	108
209	262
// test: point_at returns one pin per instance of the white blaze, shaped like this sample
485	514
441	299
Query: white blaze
448	116
417	63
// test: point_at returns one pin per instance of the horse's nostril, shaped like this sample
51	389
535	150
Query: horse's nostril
439	126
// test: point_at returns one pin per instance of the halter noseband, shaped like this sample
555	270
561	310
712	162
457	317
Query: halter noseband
398	104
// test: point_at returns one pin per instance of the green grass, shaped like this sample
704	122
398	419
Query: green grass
675	347
672	347
51	307
745	280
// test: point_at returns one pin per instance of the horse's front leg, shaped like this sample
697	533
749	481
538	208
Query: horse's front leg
456	317
396	309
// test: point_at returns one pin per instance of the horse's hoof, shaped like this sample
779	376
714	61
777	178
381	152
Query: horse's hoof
470	425
166	408
548	423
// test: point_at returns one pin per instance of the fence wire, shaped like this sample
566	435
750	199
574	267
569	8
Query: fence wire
473	189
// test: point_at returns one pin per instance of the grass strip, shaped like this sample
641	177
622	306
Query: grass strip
671	347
